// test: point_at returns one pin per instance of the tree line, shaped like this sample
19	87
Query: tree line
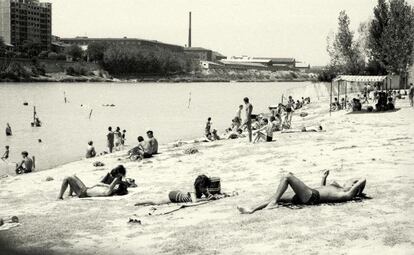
384	44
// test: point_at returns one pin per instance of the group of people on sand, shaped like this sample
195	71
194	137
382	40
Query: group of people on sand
145	148
208	188
377	99
260	127
115	139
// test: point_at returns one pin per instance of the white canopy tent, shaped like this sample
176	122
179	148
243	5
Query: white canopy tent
344	79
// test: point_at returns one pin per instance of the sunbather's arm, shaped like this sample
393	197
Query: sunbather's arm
112	186
324	176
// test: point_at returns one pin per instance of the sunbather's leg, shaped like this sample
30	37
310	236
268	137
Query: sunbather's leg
75	184
302	191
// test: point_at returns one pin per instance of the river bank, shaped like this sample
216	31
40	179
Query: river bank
19	73
377	146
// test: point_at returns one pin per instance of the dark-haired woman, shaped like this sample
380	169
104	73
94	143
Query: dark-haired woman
201	184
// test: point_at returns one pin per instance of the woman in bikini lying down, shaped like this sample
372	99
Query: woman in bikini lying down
80	189
308	196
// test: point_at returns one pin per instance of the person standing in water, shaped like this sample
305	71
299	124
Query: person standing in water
8	130
110	139
6	154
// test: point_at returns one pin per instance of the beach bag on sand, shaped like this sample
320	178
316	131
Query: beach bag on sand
215	186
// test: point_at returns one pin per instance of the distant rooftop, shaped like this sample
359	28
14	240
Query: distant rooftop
196	49
278	60
85	38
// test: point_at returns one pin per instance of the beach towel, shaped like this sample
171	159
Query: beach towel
296	206
9	225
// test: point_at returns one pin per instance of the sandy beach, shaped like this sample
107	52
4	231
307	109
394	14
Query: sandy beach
377	146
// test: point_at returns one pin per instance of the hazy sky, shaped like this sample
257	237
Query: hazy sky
274	28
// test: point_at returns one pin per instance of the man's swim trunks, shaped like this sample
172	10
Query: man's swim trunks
313	200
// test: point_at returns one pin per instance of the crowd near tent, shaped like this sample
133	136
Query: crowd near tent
382	83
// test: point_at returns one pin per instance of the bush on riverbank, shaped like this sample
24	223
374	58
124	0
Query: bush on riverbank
119	60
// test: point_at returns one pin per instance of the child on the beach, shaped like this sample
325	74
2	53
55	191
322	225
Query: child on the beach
5	154
201	184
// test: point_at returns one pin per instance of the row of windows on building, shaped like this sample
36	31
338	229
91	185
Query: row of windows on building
25	6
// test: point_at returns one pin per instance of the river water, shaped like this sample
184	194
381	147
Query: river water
172	110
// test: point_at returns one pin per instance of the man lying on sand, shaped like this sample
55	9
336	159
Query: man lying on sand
308	196
80	189
201	184
304	129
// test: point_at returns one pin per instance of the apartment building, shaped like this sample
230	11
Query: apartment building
23	21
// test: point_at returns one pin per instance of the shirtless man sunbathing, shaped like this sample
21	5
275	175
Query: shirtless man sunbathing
308	196
80	189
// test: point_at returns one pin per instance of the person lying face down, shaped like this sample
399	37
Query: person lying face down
201	193
98	190
308	196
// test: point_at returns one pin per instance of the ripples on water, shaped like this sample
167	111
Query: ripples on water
162	108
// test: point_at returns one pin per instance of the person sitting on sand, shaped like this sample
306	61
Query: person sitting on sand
390	105
303	195
80	189
26	165
201	184
277	123
153	143
6	154
237	134
266	132
90	151
143	150
214	135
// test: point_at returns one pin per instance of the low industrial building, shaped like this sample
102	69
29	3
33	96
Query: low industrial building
135	42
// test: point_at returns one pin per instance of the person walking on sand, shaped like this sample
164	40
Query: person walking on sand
110	139
5	154
8	130
248	120
304	195
90	151
411	94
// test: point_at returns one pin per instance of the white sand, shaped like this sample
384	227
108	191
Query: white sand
377	146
